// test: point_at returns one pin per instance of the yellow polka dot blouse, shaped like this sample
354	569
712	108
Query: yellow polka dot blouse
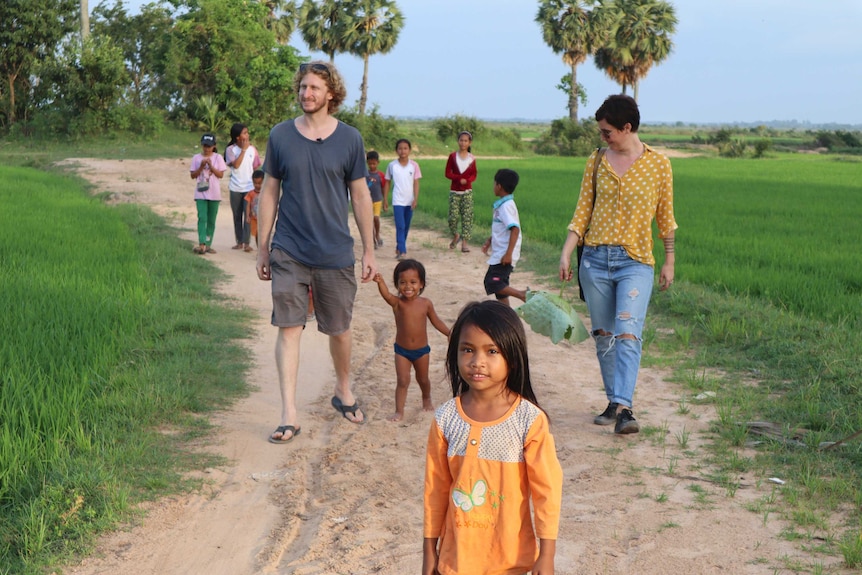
625	207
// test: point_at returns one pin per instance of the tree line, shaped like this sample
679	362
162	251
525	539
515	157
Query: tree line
200	63
209	63
625	37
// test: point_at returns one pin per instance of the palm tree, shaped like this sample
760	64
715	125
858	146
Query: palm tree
640	39
375	30
281	19
605	61
570	28
325	26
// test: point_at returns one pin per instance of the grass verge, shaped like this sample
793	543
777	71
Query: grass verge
114	346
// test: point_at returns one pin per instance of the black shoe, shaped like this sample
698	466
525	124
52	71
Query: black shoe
608	416
626	422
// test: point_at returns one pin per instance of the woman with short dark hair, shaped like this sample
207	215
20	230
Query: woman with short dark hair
633	186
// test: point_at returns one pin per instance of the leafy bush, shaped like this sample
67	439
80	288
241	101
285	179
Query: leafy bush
851	139
209	117
79	87
569	138
378	131
449	127
509	136
721	136
734	149
837	140
826	139
761	147
126	120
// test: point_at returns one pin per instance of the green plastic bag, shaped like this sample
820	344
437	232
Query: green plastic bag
551	315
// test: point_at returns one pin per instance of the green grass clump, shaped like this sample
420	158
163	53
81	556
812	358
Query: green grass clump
113	343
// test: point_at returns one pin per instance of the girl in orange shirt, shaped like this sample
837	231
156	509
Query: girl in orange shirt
490	455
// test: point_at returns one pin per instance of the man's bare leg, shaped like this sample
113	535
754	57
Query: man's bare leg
287	362
340	348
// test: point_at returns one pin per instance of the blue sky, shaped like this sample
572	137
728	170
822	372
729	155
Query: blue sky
733	61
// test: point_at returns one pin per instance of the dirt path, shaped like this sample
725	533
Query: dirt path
347	499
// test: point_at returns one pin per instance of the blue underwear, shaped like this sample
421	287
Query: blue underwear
412	354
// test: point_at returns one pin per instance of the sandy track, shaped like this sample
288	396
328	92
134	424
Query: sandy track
347	499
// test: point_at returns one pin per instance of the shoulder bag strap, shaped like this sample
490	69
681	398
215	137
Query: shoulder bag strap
601	152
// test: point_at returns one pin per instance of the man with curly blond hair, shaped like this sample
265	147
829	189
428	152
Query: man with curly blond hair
312	162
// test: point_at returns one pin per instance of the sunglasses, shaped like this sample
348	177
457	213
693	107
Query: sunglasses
315	67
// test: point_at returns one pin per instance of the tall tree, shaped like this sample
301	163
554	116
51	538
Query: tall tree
575	29
325	26
143	38
375	30
31	30
221	49
81	84
640	39
282	18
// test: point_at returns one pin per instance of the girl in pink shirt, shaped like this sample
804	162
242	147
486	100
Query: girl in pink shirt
206	170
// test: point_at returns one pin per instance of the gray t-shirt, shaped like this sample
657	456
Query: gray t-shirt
312	222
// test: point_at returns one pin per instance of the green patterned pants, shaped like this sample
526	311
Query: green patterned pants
461	206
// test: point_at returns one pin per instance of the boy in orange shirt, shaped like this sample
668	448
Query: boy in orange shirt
251	199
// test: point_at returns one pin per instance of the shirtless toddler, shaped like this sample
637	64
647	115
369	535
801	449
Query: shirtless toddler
412	313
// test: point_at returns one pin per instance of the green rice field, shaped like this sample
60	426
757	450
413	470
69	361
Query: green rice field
786	230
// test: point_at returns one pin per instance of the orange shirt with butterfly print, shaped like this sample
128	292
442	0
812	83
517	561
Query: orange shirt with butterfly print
479	480
625	206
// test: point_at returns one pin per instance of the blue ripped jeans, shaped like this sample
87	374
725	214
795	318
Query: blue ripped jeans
617	289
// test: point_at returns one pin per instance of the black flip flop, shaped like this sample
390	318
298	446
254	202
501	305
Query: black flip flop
294	431
345	409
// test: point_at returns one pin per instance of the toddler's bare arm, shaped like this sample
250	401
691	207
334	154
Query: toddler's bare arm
436	321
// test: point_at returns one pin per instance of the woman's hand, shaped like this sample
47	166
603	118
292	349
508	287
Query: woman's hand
566	272
665	278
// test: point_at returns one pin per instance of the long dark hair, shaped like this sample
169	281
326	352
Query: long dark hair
504	327
235	131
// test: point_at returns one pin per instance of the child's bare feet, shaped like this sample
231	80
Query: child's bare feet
427	405
397	417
